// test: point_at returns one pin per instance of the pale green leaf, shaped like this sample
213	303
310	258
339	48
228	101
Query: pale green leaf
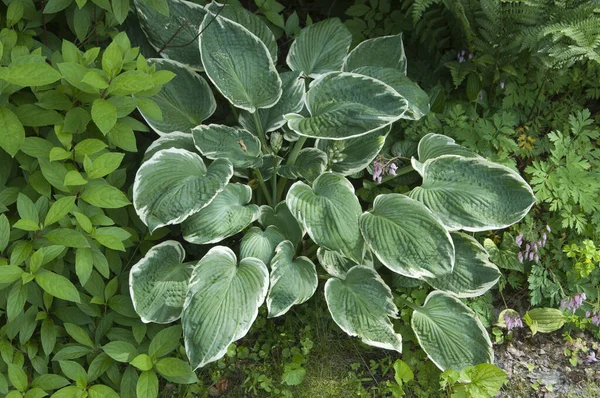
217	141
59	209
261	244
104	114
282	218
176	371
383	52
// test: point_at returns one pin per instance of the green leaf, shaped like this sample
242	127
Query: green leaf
104	196
130	82
450	333
174	184
59	209
143	362
336	264
184	102
158	283
17	377
417	99
361	305
320	48
49	382
120	10
293	281
484	378
4	232
57	286
432	146
345	105
112	60
26	208
310	163
165	341
48	335
160	28
84	264
26	225
54	6
291	101
104	114
329	211
216	141
282	218
261	244
544	320
176	371
102	391
69	392
221	304
74	177
12	133
353	155
120	351
79	335
228	214
239	64
10	273
473	273
72	370
67	237
383	52
32	74
95	79
472	193
104	165
147	385
407	238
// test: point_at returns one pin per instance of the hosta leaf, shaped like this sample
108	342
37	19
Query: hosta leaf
329	212
383	52
174	184
310	164
293	281
407	238
418	100
337	265
450	333
355	154
184	102
226	215
361	305
291	101
320	48
221	304
175	139
544	320
176	34
238	145
282	218
248	20
345	105
239	64
158	283
435	145
473	273
258	243
472	193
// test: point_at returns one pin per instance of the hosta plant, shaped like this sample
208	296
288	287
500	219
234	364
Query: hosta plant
271	201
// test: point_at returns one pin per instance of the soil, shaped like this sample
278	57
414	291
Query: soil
544	365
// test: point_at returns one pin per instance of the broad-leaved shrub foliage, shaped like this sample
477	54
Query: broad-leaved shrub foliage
283	180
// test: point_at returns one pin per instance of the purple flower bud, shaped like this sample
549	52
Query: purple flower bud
512	322
591	358
535	248
393	169
548	228
520	256
377	171
544	237
531	256
470	56
537	258
502	85
539	243
519	239
527	247
587	314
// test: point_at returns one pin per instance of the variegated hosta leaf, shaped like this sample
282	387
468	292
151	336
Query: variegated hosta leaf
239	146
355	154
176	139
239	64
185	102
311	162
293	281
329	212
320	48
473	273
450	333
158	283
435	145
361	305
472	193
282	218
174	184
383	52
407	238
418	100
221	304
269	162
228	214
292	100
261	244
344	105
171	33
337	265
248	20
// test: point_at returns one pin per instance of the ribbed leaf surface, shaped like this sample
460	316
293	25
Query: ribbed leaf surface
261	244
282	218
221	304
435	145
361	305
383	52
158	283
238	145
